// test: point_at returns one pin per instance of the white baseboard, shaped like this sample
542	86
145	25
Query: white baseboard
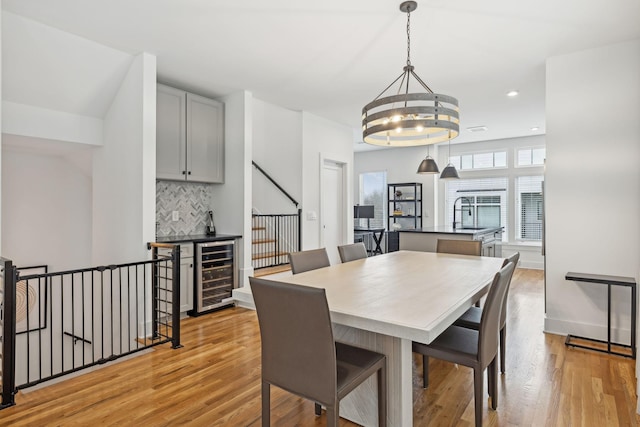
564	327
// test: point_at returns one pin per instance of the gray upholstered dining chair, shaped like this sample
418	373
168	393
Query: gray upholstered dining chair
300	355
475	349
471	318
308	260
460	247
352	252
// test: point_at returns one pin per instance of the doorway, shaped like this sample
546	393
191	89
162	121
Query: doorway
333	217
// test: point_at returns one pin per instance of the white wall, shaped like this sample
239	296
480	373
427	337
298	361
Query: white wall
124	170
46	203
323	139
233	198
277	148
401	165
592	185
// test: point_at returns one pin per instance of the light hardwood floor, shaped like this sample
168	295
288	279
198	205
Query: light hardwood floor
215	381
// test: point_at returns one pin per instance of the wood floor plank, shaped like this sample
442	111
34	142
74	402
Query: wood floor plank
214	380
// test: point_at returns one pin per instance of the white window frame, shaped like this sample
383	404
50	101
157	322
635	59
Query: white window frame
458	164
516	156
383	189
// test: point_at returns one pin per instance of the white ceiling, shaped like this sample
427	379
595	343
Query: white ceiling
332	57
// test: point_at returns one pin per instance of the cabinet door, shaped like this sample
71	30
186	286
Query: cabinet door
186	284
170	133
205	139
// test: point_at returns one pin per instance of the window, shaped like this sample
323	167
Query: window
373	188
491	160
531	156
529	208
478	202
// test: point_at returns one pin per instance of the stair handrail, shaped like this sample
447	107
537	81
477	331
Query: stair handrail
295	202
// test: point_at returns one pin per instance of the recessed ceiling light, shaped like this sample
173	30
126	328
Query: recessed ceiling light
477	128
512	93
535	128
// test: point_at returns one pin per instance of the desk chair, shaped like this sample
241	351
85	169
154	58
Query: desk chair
300	355
308	260
352	252
460	247
475	349
471	318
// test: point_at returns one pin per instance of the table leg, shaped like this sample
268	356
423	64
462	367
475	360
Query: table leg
361	405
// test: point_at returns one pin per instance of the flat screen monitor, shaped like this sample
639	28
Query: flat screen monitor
363	211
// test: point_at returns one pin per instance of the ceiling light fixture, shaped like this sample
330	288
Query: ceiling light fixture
512	93
535	128
428	165
450	171
477	128
407	119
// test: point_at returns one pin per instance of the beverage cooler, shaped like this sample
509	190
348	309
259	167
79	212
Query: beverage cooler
216	275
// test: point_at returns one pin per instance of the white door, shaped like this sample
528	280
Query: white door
333	213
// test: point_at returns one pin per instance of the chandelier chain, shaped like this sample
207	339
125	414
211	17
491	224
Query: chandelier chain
408	36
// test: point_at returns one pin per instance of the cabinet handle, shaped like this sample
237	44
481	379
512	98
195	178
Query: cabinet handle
189	172
184	172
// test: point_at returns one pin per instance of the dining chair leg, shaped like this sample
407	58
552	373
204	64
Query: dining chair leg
318	409
425	371
266	403
492	372
478	380
503	347
332	415
382	396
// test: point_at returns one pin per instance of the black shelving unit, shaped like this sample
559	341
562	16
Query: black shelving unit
405	210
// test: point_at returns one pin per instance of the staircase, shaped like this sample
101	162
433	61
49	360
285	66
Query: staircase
274	236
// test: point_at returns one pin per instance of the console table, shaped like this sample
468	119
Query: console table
609	281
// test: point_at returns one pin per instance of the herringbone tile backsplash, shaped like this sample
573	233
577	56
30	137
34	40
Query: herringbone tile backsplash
191	200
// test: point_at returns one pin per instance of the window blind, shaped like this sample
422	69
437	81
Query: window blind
484	202
529	207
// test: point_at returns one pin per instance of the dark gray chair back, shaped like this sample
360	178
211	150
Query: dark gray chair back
491	315
460	247
298	350
513	259
308	260
352	252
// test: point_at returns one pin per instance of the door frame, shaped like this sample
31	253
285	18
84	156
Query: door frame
346	196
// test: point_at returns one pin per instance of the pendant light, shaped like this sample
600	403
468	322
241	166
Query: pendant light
402	119
428	165
450	171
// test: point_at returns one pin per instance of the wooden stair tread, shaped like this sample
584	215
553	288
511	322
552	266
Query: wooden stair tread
259	241
258	228
268	255
271	270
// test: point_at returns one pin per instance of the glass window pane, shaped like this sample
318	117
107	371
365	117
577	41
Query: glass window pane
373	187
538	156
455	161
482	160
467	161
500	159
524	157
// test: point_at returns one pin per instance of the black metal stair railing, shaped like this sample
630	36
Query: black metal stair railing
54	324
275	235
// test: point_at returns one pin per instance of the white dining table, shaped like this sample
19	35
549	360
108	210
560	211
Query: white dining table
384	303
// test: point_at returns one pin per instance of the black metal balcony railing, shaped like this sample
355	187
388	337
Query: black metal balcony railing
54	324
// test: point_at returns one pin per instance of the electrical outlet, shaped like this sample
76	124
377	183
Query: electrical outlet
175	215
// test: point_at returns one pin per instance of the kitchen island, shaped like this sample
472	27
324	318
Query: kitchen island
425	239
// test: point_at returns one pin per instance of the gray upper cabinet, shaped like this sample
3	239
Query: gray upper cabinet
189	137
